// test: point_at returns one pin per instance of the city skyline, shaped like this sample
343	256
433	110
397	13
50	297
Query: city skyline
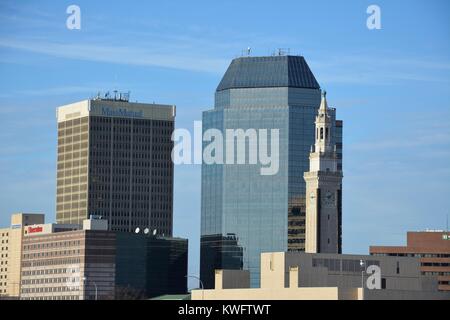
390	87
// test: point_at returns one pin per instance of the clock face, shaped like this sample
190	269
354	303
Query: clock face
312	197
329	200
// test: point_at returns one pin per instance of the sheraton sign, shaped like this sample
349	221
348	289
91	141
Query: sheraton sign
35	229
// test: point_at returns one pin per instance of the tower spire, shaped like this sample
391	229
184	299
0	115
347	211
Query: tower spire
323	103
323	127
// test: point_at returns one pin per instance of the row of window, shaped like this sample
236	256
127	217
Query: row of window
74	174
344	265
50	245
418	255
76	138
73	197
63	188
51	254
296	232
296	241
82	147
50	262
50	289
52	298
74	205
74	122
49	271
433	273
436	264
104	140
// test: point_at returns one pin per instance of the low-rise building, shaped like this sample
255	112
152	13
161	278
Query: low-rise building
94	263
11	252
71	262
316	276
71	265
431	247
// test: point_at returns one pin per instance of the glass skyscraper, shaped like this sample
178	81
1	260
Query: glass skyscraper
244	213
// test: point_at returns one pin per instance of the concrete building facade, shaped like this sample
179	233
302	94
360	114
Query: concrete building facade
114	161
307	276
4	248
72	265
431	247
11	252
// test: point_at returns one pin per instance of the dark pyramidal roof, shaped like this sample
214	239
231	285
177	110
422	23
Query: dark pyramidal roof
272	71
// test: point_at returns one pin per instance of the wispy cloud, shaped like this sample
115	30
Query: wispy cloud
377	69
118	54
437	138
64	90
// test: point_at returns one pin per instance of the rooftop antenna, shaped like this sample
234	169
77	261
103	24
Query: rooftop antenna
284	51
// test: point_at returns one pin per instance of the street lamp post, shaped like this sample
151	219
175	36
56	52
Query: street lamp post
362	264
200	281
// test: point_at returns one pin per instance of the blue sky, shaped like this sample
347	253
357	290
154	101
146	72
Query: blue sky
390	86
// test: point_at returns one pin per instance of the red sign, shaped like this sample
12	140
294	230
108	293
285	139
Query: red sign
34	229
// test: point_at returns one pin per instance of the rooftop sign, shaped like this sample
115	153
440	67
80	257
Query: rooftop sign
35	229
121	112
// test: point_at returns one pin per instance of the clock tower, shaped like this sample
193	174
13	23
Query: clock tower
323	189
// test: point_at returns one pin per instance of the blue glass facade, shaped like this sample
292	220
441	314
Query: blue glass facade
245	213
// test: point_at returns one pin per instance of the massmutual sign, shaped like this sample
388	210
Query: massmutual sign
121	112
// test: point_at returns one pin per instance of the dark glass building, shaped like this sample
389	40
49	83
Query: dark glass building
114	161
148	266
260	213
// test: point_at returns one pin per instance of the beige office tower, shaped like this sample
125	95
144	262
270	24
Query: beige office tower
114	161
11	252
324	190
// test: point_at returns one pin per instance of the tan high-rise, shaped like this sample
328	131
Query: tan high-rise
114	161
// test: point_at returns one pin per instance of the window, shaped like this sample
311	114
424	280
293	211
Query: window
383	283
